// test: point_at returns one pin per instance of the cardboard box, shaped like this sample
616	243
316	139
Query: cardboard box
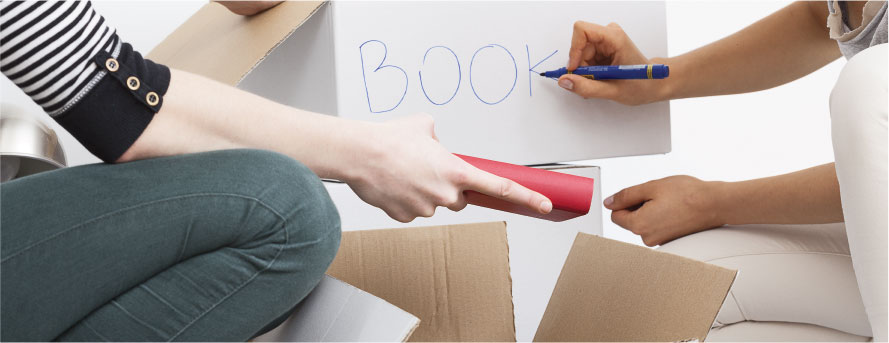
534	274
456	279
472	65
338	312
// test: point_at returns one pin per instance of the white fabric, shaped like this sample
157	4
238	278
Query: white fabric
831	275
779	332
786	273
858	111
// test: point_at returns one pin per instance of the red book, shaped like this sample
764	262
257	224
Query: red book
571	195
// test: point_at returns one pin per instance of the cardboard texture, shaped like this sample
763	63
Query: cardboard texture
455	278
225	46
613	291
338	312
537	248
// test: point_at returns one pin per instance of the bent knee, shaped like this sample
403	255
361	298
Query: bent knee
311	222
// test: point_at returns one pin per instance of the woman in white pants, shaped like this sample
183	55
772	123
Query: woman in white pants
829	275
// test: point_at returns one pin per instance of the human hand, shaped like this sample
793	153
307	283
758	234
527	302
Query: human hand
594	44
407	173
248	8
666	209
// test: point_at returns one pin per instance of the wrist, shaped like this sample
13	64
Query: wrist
721	209
353	147
338	148
668	86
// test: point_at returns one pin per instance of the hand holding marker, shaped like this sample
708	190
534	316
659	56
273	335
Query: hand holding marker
619	72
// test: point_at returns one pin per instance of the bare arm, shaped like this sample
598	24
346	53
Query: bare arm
397	166
775	50
672	207
780	48
808	196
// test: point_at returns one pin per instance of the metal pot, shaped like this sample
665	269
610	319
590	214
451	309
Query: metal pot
27	145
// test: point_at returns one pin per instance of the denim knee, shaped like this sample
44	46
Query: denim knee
298	195
312	223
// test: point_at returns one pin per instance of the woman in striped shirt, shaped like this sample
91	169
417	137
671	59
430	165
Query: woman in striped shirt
187	241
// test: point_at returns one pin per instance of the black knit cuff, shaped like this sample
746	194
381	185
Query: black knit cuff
115	112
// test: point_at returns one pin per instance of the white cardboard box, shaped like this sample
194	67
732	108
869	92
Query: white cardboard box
338	312
478	62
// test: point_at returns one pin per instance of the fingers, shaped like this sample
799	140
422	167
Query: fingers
625	219
489	184
588	88
584	34
636	222
630	197
457	205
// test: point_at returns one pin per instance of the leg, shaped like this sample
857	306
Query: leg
858	120
210	246
786	273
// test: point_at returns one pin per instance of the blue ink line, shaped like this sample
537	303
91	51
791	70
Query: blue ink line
459	75
514	80
381	66
531	69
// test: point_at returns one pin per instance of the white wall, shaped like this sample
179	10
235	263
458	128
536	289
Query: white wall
718	138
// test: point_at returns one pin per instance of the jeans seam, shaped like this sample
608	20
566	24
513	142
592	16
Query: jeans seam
86	325
130	208
161	299
184	243
252	277
187	279
159	332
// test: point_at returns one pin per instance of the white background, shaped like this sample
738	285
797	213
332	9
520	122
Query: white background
718	138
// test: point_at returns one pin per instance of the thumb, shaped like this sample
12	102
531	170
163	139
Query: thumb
629	197
588	88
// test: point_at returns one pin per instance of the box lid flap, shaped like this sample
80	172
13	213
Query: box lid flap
614	291
455	278
225	46
338	312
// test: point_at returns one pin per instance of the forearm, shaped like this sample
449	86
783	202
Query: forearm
201	115
808	196
780	48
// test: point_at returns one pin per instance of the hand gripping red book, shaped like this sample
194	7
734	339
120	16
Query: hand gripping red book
571	195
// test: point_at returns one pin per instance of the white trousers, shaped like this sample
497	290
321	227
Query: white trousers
832	275
858	110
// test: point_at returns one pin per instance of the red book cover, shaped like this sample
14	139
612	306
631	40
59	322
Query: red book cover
571	195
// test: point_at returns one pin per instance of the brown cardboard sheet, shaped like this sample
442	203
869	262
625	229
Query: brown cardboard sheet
455	278
613	291
225	46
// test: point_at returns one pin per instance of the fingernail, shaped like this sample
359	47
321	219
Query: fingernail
546	206
609	200
567	84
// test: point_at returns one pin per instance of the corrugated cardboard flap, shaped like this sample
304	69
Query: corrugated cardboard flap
611	291
225	46
455	278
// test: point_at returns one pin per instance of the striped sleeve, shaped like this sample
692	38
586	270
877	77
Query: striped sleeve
66	57
46	49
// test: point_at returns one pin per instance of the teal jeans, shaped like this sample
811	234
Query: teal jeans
216	246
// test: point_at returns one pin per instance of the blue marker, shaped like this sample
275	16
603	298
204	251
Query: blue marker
625	72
